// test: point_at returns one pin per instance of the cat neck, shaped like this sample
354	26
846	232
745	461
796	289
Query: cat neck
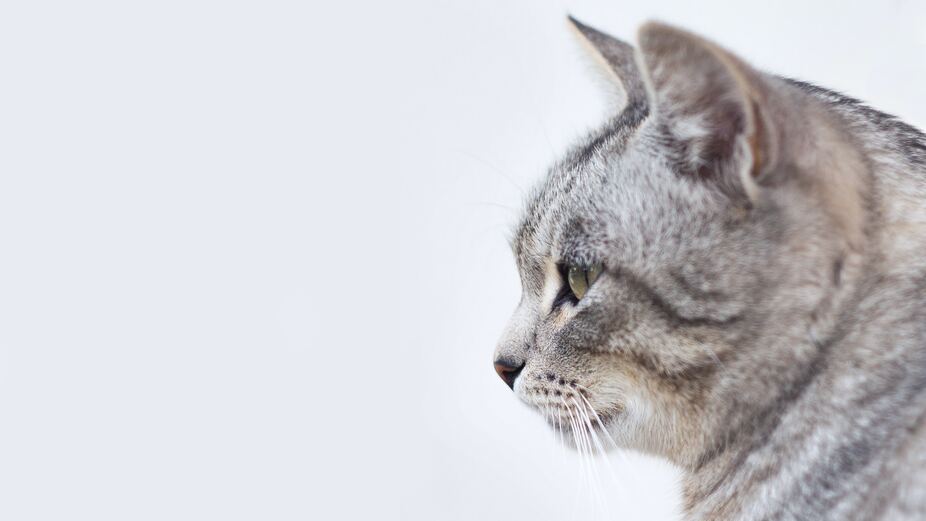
857	399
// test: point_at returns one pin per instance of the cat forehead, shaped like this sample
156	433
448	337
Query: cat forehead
574	185
624	199
607	187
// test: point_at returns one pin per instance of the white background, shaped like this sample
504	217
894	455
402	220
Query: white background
253	256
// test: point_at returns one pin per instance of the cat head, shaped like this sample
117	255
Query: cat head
679	266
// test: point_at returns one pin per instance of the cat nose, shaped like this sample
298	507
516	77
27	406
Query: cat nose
509	370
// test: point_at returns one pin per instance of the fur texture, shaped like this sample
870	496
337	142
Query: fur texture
761	317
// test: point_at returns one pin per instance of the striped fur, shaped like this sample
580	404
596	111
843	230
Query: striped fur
761	318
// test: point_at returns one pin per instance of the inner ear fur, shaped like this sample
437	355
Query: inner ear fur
715	104
748	131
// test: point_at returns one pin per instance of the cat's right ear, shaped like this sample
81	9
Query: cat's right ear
618	61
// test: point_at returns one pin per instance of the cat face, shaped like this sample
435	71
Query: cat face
676	263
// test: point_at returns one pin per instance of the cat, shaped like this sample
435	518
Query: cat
731	274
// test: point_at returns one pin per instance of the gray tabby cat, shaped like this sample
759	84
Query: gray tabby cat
731	274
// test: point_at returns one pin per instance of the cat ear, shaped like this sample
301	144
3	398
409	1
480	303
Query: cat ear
714	105
617	59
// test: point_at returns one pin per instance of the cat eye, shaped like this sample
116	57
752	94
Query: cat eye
580	279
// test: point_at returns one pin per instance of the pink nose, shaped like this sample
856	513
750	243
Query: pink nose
508	370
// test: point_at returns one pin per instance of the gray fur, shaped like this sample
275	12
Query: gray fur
761	320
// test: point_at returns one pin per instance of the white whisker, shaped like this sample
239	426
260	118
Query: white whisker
591	437
601	424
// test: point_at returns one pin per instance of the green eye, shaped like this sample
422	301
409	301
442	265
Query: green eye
580	279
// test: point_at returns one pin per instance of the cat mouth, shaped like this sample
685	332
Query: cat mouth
588	434
593	419
569	411
578	419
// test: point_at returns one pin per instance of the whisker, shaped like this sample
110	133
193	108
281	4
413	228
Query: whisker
578	489
597	418
607	435
574	429
591	437
591	476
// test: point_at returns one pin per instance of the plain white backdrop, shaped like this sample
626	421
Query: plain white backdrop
253	257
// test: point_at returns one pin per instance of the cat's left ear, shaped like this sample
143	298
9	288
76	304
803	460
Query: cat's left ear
617	60
715	105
